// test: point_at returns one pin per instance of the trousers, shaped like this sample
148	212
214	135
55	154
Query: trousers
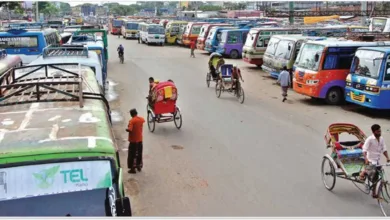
134	158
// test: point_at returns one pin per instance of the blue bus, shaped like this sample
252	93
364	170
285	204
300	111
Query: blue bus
28	44
368	83
214	37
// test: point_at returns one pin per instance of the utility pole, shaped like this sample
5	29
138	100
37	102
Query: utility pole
291	12
364	11
36	11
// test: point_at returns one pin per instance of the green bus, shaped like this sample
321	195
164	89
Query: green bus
58	155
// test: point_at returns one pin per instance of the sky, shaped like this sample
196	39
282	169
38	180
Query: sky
73	3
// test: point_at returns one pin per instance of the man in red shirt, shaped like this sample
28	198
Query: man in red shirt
134	158
236	76
192	46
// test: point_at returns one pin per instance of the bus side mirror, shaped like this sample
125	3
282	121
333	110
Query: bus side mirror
289	47
123	207
316	58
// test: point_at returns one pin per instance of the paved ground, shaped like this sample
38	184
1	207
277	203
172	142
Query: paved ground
260	158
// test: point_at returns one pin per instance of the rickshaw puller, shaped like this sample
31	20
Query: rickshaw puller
236	76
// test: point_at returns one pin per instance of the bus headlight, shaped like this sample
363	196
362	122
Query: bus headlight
372	89
349	84
312	82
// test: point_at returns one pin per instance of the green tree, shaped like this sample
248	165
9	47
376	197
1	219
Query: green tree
65	8
210	8
50	10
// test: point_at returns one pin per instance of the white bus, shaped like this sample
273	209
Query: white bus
152	33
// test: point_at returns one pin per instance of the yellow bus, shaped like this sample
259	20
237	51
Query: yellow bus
172	31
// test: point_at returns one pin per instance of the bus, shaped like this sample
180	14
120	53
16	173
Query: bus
368	82
214	37
232	42
56	24
333	31
152	34
116	26
282	51
192	32
67	163
74	54
321	68
204	32
28	44
172	31
179	39
130	30
379	24
257	42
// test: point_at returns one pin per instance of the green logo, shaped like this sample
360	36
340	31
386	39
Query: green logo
46	177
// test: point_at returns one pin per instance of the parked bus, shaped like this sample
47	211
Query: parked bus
172	31
130	30
321	68
74	54
67	163
232	42
214	38
180	36
56	24
192	32
368	83
204	32
116	26
379	24
152	34
257	42
28	44
282	51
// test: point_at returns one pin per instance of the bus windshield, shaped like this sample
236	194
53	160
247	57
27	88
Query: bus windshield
203	32
223	37
196	29
250	39
367	63
211	34
284	49
18	42
156	30
117	23
306	57
272	46
132	26
378	24
83	203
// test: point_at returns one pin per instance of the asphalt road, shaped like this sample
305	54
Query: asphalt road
260	158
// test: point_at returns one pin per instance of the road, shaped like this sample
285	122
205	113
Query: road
260	158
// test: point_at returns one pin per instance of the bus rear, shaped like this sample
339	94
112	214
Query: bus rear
27	44
116	26
322	67
368	83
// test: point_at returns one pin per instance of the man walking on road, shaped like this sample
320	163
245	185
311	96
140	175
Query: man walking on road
284	81
192	46
134	158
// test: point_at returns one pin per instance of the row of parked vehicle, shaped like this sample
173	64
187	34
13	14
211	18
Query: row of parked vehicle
67	164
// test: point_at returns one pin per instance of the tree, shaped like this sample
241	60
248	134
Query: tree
65	8
12	6
210	8
50	10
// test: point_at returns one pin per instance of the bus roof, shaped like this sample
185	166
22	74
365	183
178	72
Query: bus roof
70	124
296	37
380	49
237	29
271	29
330	43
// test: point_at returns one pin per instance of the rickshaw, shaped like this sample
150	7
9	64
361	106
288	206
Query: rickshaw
164	108
346	161
224	83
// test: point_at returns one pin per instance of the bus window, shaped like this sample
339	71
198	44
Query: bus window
245	34
18	42
387	73
340	60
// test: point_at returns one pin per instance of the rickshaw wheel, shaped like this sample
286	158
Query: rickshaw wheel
326	173
151	122
218	88
178	119
208	79
241	95
382	190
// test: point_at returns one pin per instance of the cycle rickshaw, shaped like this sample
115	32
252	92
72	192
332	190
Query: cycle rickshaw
209	76
224	83
164	108
346	161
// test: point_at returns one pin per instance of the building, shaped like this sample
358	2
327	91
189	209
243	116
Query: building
282	6
76	10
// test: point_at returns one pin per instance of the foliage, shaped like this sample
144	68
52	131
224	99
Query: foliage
49	10
235	6
210	8
65	8
11	5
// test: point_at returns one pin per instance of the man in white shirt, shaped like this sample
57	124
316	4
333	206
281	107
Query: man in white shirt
373	147
284	81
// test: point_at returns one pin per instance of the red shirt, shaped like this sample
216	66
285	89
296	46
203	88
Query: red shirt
192	45
135	128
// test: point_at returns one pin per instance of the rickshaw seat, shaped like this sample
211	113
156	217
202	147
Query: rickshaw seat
226	70
350	153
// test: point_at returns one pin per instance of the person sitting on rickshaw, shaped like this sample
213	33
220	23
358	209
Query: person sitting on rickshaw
151	97
236	76
214	63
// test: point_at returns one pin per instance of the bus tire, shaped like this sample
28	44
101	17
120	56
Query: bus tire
234	54
334	96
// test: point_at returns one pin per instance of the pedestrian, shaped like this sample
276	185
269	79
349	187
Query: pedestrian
139	38
134	158
284	81
192	46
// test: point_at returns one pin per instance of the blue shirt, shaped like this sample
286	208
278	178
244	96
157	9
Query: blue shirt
284	78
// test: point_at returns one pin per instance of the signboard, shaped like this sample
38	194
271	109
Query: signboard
18	42
55	178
